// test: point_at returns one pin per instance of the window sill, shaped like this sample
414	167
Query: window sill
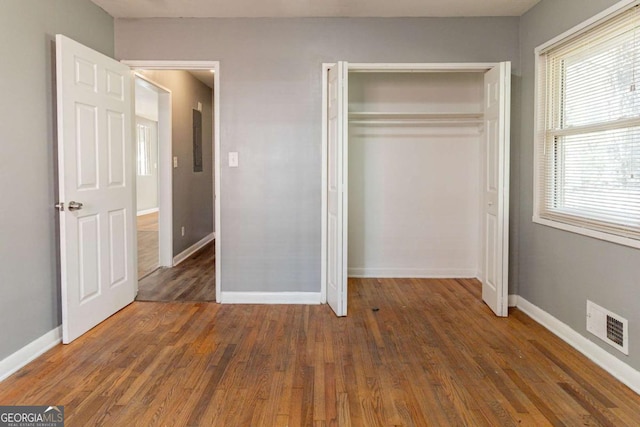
613	238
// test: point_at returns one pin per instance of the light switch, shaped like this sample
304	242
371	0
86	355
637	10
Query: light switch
233	159
175	161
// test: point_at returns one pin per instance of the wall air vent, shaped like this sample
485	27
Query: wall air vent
615	330
608	326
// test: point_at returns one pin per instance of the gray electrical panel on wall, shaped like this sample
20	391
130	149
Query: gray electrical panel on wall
197	141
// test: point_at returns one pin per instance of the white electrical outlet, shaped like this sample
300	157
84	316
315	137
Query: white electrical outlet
175	161
182	231
233	159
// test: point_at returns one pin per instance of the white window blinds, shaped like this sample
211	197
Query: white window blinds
588	146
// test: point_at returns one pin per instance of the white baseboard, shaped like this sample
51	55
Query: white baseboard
147	211
616	367
419	273
513	301
29	352
310	298
192	249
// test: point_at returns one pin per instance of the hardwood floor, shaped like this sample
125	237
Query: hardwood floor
147	230
431	355
192	280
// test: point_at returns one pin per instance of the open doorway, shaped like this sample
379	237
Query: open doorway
153	176
188	158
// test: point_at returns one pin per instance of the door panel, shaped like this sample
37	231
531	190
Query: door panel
116	143
95	151
495	233
337	189
118	247
115	85
87	146
89	258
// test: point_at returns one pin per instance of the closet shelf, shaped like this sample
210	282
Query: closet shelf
416	118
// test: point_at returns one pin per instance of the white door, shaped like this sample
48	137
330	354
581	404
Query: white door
96	186
337	188
495	222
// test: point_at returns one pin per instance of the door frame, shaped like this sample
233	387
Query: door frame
376	68
200	65
165	174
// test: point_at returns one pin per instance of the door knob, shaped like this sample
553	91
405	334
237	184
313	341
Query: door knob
74	206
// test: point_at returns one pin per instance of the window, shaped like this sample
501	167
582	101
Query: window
144	150
587	172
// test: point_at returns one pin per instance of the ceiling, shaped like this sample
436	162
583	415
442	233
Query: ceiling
205	76
312	8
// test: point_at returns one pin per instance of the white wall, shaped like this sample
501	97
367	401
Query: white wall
146	100
414	193
147	185
146	105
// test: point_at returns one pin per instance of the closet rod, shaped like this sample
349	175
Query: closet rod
410	122
407	115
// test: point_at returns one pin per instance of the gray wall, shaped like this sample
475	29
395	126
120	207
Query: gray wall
271	114
29	290
192	191
559	271
271	92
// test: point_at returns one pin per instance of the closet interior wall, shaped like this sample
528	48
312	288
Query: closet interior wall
415	174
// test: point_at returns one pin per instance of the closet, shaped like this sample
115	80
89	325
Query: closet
416	177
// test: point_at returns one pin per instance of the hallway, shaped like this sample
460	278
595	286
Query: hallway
192	280
147	243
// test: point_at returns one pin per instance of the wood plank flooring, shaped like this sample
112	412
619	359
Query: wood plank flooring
147	231
431	355
192	280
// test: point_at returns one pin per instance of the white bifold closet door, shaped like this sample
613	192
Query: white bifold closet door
495	190
495	222
337	174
